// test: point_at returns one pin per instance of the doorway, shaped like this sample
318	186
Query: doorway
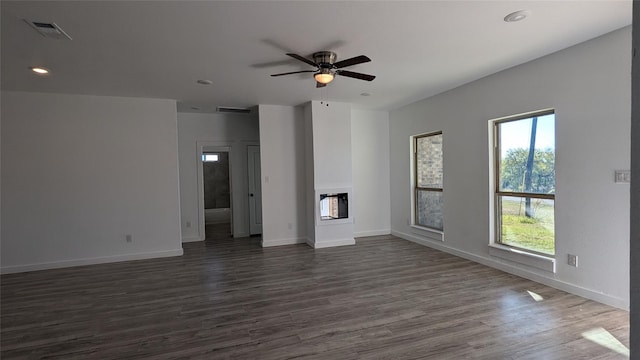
216	193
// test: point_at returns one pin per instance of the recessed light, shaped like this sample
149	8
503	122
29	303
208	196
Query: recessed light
204	82
517	16
39	70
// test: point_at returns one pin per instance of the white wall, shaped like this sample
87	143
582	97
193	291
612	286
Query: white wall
310	193
79	173
370	167
331	144
234	131
282	158
286	137
589	87
332	169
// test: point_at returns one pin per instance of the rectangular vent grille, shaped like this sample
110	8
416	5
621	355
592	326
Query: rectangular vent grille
48	30
232	110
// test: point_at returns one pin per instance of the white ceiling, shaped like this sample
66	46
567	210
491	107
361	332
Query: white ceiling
158	49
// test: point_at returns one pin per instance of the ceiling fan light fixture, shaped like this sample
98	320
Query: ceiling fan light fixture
326	67
40	70
324	76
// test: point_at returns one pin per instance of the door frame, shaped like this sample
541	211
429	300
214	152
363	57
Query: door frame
203	147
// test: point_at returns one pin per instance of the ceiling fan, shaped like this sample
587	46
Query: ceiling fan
326	67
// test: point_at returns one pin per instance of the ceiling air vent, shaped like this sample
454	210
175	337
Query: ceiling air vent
232	110
48	30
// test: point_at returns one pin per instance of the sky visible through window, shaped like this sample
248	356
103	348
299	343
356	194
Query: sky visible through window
517	134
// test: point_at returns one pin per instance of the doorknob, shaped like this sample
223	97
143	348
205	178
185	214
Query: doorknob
251	194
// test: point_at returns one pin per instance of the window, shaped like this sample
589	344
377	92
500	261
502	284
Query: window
524	153
428	180
210	157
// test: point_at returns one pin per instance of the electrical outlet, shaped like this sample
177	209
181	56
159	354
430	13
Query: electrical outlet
290	226
572	260
128	238
188	224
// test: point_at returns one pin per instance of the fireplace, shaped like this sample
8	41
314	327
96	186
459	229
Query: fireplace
333	206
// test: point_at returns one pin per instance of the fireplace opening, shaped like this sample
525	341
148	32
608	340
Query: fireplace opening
334	206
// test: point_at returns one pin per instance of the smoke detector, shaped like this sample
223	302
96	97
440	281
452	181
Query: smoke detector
48	29
517	16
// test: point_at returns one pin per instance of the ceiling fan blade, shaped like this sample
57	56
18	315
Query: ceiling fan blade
303	59
294	72
355	75
319	85
352	61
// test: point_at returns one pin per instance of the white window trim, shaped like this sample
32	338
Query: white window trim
523	257
427	232
496	249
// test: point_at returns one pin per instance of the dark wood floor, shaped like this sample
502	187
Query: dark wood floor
383	298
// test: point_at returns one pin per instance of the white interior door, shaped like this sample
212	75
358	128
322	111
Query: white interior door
255	191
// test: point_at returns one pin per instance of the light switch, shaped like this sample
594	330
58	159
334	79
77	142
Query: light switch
623	176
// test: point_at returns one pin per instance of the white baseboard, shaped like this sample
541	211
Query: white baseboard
372	233
89	261
280	242
519	271
330	243
191	239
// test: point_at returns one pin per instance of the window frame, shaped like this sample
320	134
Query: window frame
498	193
417	188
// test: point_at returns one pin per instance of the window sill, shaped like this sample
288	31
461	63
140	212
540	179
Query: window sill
428	233
522	257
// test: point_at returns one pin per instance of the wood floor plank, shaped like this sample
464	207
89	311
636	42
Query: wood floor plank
384	298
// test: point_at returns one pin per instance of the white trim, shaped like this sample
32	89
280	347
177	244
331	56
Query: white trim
413	150
426	232
281	242
524	115
524	273
522	257
191	239
426	241
372	233
495	248
331	243
90	261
